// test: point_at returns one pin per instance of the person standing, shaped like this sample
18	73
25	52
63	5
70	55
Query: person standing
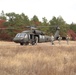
36	40
52	40
59	39
67	39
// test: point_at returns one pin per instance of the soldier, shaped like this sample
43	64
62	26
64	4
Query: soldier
59	39
67	39
52	40
36	38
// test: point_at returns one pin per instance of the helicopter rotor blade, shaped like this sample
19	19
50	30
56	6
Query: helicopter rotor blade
6	28
56	26
48	26
32	27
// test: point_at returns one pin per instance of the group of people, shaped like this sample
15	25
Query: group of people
59	39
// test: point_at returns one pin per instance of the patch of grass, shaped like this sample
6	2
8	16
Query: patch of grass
41	59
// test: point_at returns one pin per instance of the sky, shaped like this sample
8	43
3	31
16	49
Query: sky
42	8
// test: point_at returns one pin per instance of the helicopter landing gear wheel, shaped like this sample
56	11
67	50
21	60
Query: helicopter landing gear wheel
26	43
21	43
32	43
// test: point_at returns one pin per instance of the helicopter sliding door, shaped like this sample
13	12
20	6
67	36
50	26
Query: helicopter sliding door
41	38
32	39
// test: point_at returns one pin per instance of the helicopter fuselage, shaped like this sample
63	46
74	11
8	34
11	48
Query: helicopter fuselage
34	36
31	37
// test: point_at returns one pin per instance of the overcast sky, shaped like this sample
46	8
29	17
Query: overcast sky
42	8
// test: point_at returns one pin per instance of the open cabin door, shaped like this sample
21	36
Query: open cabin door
32	39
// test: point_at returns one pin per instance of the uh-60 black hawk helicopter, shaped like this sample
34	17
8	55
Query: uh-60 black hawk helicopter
34	36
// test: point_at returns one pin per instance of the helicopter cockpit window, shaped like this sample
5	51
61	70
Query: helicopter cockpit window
17	35
20	35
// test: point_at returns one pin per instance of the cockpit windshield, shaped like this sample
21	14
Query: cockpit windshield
20	35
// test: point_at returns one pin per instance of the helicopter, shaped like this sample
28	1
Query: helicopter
34	36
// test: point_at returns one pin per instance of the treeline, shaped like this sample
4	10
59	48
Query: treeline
13	23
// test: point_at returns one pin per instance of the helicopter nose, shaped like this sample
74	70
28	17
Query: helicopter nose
18	40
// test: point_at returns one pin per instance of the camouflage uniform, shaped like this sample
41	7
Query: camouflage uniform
36	40
67	39
59	39
52	40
